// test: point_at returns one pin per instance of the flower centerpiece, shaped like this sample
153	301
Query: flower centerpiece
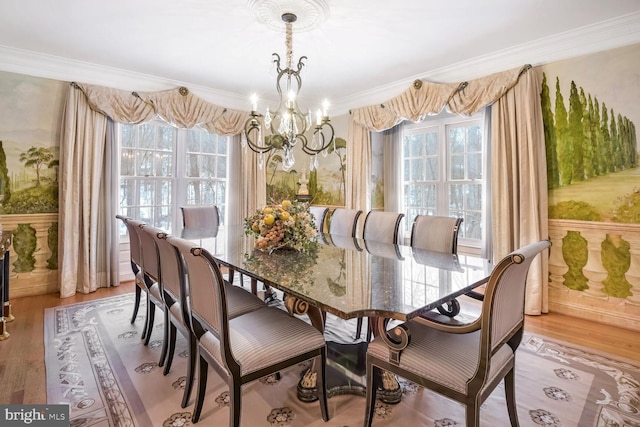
288	225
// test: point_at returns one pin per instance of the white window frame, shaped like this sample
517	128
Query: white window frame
442	123
177	175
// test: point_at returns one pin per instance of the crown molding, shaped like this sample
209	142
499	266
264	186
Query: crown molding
609	34
605	35
54	67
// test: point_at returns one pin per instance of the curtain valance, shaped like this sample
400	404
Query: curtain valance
178	106
426	98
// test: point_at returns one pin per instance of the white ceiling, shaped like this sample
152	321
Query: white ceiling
367	51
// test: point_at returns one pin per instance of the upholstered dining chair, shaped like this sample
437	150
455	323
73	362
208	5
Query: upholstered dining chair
344	222
381	234
174	297
439	234
144	282
150	270
319	215
200	216
136	262
247	347
435	233
465	362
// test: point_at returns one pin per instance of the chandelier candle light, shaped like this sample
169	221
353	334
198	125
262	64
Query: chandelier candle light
282	128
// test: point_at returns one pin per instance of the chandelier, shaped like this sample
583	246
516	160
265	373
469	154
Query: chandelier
287	125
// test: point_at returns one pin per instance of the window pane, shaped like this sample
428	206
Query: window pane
457	167
456	197
432	169
417	145
164	164
432	144
474	197
145	163
475	166
430	196
417	172
472	225
127	163
147	197
208	143
407	170
456	140
128	136
222	145
193	168
475	138
221	167
193	141
167	137
145	136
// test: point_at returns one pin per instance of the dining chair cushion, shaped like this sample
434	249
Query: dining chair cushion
277	335
452	358
241	301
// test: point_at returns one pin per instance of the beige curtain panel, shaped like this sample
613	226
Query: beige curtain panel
518	175
89	172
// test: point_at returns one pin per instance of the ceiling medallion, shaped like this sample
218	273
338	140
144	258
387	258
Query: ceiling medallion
310	13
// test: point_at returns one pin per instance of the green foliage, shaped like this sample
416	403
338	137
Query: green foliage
37	157
570	209
5	189
616	259
575	254
627	210
43	199
52	241
24	244
553	176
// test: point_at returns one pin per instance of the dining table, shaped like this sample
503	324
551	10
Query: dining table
350	278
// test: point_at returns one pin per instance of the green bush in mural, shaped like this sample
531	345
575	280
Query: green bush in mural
628	209
575	253
616	259
52	241
43	199
579	211
24	244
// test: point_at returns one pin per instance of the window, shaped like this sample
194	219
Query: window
163	168
443	173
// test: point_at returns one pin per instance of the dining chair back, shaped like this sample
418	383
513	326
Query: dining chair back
319	215
200	216
344	222
247	347
136	262
436	233
464	362
150	272
380	226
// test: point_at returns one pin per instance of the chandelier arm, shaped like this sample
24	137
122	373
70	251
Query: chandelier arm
252	134
324	141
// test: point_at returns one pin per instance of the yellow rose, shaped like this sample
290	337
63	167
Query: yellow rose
269	219
267	210
284	215
286	204
255	228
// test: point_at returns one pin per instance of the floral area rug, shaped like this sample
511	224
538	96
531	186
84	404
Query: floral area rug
97	363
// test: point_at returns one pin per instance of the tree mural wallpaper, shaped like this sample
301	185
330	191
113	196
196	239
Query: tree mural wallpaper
30	111
590	113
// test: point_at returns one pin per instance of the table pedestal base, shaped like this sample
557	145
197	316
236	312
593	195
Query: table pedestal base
8	316
3	330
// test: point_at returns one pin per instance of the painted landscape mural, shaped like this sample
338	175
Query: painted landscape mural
590	112
30	111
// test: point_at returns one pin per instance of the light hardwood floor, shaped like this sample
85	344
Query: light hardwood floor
22	371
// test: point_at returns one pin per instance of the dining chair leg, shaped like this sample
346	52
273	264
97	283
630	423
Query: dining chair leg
136	304
473	413
165	340
191	365
510	393
203	369
320	383
234	401
171	344
372	386
151	314
146	318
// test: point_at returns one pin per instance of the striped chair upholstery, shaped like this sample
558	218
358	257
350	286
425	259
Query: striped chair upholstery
435	233
136	262
175	298
200	216
247	347
463	362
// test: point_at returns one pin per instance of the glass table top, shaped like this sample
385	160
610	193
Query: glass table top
351	277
